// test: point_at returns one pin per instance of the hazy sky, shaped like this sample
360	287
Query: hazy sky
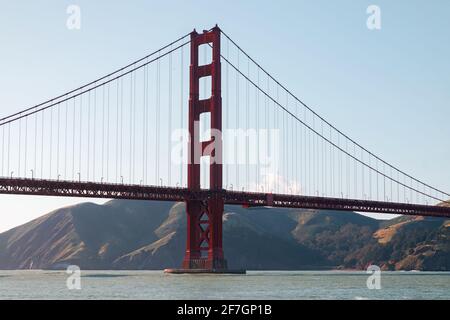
389	89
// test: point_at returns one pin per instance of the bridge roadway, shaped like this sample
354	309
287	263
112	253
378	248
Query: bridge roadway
63	188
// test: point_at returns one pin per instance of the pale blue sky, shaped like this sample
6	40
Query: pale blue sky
389	89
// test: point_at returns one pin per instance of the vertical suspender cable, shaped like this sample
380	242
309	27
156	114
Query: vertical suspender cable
257	130
182	105
20	140
9	145
258	170
51	146
94	147
42	146
88	136
35	142
169	162
107	133
73	140
103	134
58	114
81	136
247	119
144	117
26	145
134	125
66	130
120	128
237	123
117	129
157	118
227	106
3	150
131	129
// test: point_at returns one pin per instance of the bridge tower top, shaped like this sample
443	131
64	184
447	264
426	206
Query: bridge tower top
212	105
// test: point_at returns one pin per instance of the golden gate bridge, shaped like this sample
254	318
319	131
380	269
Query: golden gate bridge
157	129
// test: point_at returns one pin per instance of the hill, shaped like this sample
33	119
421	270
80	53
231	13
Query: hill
151	235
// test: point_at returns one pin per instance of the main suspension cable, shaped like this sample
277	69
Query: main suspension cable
326	139
97	80
325	121
25	113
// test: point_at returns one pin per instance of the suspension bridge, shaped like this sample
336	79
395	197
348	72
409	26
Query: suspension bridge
200	121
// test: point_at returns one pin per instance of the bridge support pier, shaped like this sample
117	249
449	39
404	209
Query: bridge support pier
204	251
204	236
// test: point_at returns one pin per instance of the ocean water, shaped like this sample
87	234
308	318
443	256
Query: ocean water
36	284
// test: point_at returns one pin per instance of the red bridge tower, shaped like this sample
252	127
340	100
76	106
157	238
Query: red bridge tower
204	218
204	252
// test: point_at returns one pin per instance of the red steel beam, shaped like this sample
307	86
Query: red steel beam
138	192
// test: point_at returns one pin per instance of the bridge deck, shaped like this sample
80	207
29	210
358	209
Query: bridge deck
138	192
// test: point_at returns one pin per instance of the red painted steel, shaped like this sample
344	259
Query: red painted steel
204	217
250	199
